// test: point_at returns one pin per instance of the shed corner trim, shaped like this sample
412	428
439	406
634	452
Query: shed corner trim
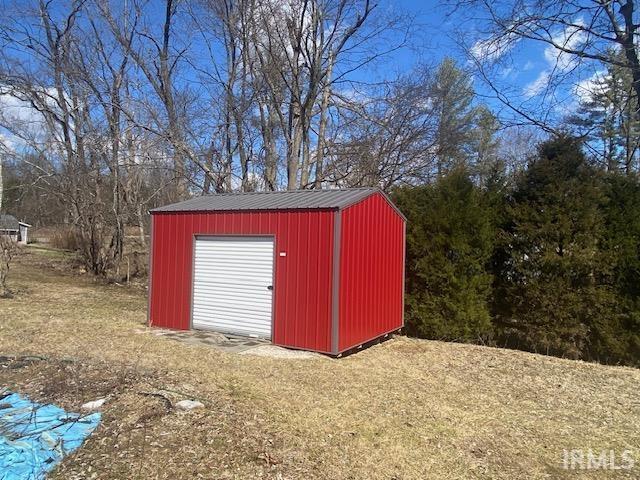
335	284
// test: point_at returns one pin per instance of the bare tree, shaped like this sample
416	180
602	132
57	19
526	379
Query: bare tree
275	65
577	34
157	56
1	178
7	252
415	129
295	51
124	113
75	87
311	54
387	138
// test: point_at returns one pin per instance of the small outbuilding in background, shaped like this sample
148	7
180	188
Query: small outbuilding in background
319	270
14	229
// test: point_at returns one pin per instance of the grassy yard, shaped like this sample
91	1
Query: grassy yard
404	409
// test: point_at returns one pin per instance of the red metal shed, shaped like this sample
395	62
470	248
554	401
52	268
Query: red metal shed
318	270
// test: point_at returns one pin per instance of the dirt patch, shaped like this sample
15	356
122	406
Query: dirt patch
68	382
273	351
142	434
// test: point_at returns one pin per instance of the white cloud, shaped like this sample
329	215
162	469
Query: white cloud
585	89
8	143
491	49
17	110
18	115
538	85
571	38
558	61
506	72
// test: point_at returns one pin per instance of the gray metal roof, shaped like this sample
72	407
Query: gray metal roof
287	200
9	222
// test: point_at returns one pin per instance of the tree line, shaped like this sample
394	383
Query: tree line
109	109
546	260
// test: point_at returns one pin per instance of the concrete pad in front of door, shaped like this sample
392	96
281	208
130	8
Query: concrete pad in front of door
228	343
233	343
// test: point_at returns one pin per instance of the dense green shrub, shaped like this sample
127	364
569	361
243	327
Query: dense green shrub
548	283
617	337
550	265
449	241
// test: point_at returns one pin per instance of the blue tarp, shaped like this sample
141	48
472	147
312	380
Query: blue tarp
35	437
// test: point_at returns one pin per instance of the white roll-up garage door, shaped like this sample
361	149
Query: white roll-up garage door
233	285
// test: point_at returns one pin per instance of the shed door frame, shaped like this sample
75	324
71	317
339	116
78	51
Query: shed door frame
197	236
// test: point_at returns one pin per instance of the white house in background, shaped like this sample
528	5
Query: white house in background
14	229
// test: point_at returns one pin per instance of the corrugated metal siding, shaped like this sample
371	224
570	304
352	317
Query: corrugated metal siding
231	286
371	293
302	287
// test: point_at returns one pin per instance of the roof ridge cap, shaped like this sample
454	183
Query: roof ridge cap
274	192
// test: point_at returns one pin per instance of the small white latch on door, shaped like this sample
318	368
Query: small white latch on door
283	254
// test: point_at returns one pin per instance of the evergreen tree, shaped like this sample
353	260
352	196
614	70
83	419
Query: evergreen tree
606	118
452	96
484	145
550	292
616	338
449	243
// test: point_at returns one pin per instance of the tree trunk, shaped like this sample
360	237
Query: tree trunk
1	183
322	127
293	144
242	152
267	126
306	152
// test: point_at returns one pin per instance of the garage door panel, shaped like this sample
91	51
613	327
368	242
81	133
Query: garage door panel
249	332
248	321
231	307
229	290
224	251
239	245
244	263
230	287
258	280
229	324
230	244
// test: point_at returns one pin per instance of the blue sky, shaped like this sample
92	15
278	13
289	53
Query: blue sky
436	34
522	72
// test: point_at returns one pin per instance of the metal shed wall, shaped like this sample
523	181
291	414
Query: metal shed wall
371	278
303	278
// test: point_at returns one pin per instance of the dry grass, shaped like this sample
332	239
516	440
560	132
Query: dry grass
404	409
